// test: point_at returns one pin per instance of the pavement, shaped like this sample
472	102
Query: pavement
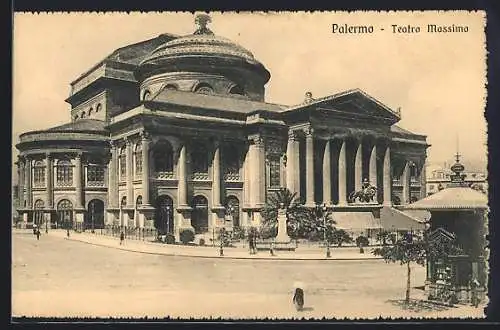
150	247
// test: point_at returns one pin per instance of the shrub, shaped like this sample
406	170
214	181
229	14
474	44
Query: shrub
186	236
170	239
202	242
361	241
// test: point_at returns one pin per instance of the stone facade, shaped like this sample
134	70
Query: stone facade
161	139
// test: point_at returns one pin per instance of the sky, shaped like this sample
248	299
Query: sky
437	79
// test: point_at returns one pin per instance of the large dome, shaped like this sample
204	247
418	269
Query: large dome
203	58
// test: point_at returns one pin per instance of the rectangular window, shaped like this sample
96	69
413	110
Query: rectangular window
95	175
123	168
138	164
274	172
64	175
39	176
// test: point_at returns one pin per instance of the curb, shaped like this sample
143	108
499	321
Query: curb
219	257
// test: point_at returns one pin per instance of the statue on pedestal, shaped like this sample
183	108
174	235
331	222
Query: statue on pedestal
367	193
282	236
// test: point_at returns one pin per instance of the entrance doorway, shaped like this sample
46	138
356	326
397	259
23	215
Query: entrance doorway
38	213
199	216
164	215
95	215
65	214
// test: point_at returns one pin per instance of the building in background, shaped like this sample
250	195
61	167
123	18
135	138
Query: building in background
439	178
174	133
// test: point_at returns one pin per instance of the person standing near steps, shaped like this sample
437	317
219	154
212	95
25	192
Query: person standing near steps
122	238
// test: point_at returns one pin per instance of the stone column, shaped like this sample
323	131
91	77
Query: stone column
145	169
342	173
261	161
130	174
327	180
358	167
27	183
218	210
113	177
373	166
387	182
310	202
216	177
291	163
21	182
423	181
49	180
78	181
406	183
182	178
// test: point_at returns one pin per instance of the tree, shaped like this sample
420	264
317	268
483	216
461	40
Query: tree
298	216
340	236
385	237
413	249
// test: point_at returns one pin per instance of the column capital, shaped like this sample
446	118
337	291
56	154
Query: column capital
79	155
145	135
113	144
309	132
257	140
48	155
128	140
292	135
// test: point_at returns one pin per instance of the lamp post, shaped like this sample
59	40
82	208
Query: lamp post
327	244
221	249
92	215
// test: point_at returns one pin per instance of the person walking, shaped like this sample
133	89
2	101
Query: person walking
298	297
474	290
38	234
122	238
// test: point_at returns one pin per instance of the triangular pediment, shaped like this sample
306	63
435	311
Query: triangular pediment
354	104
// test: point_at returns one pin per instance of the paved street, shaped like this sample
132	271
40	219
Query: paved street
58	277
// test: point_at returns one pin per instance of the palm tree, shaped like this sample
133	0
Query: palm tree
298	216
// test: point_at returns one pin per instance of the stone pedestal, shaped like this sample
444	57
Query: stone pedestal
146	214
218	220
24	224
79	219
182	221
282	236
113	217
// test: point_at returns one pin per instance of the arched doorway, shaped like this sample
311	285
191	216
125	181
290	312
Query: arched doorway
233	210
164	214
199	216
38	212
65	214
95	215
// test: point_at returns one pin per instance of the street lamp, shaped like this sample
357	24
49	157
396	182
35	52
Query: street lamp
92	215
327	244
168	219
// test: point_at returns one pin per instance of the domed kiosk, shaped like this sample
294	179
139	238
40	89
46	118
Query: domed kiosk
186	141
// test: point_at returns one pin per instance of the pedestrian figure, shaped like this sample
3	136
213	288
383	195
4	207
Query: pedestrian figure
67	233
122	238
38	234
474	290
251	242
271	249
298	297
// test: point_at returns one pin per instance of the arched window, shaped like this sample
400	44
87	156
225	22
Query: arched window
83	115
91	110
76	117
199	158
138	201
122	160
98	107
64	173
39	204
123	202
38	214
163	158
147	95
237	89
204	88
95	175
138	159
39	174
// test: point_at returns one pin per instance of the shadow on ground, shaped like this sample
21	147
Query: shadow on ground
416	305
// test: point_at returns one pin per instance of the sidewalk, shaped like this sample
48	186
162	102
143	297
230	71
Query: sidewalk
149	247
